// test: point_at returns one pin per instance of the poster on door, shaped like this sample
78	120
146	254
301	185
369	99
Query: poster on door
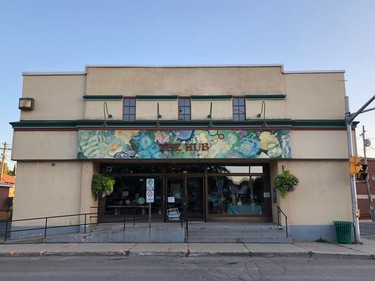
173	214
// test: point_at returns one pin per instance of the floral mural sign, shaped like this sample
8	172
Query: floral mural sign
183	144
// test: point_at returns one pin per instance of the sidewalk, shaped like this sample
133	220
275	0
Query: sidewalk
295	249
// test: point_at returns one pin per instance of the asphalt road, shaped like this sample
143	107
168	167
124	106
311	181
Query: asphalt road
367	230
147	268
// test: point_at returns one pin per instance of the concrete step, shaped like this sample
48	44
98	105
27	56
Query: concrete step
229	232
232	239
236	233
170	232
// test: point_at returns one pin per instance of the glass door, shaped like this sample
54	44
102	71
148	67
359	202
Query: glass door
175	198
195	210
185	198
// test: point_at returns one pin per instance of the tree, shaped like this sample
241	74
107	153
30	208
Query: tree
8	171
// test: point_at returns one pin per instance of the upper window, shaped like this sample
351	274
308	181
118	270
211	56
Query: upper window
129	109
184	109
239	110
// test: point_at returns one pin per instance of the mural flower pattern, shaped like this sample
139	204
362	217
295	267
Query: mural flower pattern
183	144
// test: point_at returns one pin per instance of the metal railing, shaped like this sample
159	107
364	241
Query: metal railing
46	220
122	217
45	226
279	212
186	227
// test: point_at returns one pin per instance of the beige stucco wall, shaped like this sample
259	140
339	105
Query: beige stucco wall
50	145
221	110
42	145
147	110
47	189
168	109
309	95
237	80
89	200
57	97
275	109
315	95
319	144
95	109
323	194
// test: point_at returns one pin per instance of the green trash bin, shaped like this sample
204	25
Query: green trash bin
343	232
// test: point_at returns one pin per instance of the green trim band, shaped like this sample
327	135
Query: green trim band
58	124
102	97
44	124
212	97
265	97
157	97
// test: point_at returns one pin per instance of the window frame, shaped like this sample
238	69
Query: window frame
129	116
236	108
184	116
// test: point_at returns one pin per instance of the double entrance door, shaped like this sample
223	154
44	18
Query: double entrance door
185	197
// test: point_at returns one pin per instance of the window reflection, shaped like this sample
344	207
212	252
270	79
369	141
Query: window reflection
129	197
238	169
129	169
236	195
256	169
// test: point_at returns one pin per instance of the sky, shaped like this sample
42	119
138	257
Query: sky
302	35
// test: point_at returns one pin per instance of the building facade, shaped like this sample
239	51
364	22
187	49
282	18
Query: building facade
366	191
212	139
7	186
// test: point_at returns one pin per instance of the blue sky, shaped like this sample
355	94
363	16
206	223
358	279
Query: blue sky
67	35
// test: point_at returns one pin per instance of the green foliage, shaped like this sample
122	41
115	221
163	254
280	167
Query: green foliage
102	185
7	170
286	182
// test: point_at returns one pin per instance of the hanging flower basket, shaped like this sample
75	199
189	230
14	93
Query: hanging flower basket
286	182
102	185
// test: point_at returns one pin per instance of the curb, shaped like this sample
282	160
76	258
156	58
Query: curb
312	255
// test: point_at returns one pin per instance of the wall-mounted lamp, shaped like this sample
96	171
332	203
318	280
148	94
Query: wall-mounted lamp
26	103
209	116
158	116
263	111
106	114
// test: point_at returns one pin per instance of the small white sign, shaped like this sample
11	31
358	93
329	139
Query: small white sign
173	214
150	195
150	183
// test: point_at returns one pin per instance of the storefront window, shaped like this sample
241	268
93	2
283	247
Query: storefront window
180	169
194	191
129	197
129	169
236	195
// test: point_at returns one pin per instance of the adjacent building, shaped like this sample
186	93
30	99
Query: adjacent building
366	191
209	140
7	186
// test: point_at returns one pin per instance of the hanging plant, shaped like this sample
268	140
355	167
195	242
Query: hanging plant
102	185
286	182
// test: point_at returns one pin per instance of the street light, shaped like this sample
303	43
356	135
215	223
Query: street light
263	111
106	114
349	118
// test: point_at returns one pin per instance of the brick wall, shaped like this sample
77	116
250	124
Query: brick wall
363	203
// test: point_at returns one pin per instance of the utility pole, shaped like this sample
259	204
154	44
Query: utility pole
349	118
3	155
369	195
3	159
